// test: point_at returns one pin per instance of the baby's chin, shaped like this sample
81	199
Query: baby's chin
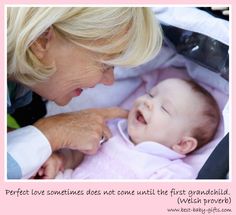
133	141
133	138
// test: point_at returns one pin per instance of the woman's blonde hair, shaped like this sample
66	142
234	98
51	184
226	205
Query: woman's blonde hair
129	35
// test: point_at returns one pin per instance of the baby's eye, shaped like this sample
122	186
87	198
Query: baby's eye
150	95
164	109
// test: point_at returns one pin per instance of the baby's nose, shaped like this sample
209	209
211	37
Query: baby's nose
148	104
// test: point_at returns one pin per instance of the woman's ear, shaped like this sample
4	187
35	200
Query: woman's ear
185	145
41	45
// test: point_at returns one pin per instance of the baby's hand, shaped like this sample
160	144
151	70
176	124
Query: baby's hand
51	167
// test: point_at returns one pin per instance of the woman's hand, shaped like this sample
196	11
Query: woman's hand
81	130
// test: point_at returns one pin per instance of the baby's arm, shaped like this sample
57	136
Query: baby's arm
59	161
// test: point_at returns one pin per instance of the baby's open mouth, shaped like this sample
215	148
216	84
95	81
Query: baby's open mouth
140	118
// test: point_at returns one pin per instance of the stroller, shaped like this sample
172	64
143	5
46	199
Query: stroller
212	54
191	43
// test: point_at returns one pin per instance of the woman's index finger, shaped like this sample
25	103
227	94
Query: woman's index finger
115	112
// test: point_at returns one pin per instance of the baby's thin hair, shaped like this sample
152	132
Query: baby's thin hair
210	118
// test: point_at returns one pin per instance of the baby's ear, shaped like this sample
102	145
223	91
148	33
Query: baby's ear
185	145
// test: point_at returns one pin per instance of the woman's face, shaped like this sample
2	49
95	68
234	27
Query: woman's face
76	69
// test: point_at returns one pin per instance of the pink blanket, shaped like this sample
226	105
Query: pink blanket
198	158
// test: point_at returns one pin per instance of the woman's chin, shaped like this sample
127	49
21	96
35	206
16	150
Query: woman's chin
63	102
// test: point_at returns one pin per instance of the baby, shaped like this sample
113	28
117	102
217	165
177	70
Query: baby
175	118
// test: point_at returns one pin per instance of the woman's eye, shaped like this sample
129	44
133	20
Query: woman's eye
106	67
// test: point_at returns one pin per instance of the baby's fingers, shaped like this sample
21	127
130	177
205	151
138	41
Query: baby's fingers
40	172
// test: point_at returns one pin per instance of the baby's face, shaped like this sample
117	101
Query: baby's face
165	115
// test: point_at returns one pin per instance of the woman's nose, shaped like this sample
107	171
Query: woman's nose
108	77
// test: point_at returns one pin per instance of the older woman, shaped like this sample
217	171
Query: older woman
59	51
